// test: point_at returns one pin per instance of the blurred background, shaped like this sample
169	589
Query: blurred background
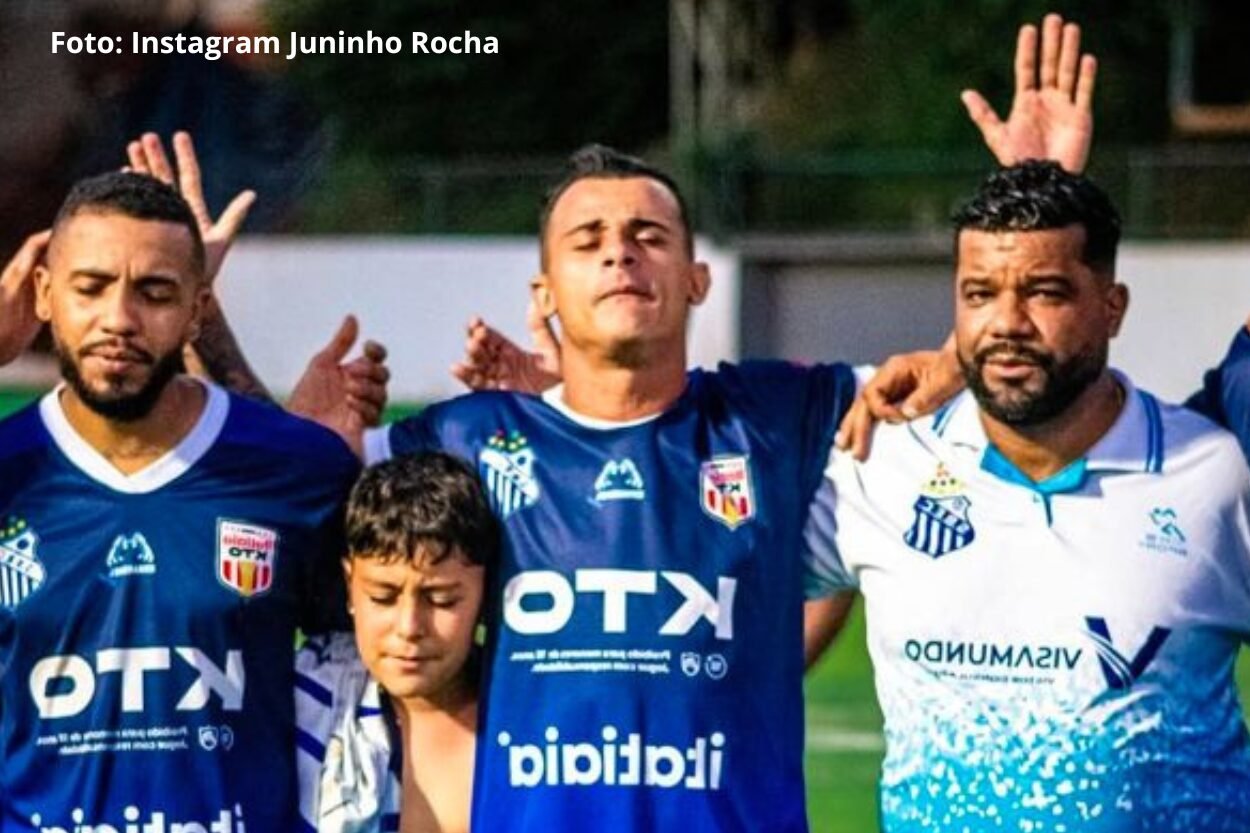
822	144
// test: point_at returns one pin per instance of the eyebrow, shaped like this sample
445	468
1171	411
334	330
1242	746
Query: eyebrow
448	584
634	224
104	274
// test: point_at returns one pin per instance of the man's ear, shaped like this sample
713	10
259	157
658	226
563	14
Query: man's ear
700	282
200	301
43	293
1117	305
540	291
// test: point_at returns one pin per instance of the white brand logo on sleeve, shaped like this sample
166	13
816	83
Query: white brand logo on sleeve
615	761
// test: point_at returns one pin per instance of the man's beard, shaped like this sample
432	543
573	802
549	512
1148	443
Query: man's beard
628	353
121	407
1063	383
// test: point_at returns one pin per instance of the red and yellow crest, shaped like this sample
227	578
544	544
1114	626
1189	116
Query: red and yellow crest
247	557
725	490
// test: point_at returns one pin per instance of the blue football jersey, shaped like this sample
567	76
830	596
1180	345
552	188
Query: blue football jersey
646	662
147	622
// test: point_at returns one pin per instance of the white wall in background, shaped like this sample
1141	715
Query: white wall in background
285	297
1187	301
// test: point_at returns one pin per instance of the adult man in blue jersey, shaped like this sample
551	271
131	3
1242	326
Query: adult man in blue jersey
646	669
161	541
1056	567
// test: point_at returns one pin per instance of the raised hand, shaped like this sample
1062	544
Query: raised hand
18	324
215	351
345	397
1052	112
492	361
147	156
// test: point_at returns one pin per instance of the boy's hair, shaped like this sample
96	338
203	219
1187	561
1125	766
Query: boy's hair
596	161
429	503
1039	195
138	196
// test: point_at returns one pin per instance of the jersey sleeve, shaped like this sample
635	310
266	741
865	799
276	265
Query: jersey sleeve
324	595
343	745
327	669
825	573
407	436
1235	587
1225	394
830	392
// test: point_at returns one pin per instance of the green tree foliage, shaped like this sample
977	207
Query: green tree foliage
890	72
567	73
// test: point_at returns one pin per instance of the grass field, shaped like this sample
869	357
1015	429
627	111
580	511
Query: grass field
12	399
843	723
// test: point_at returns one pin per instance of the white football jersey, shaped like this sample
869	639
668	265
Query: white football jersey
1055	656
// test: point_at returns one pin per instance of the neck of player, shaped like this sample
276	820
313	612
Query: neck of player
1043	450
602	388
455	703
133	445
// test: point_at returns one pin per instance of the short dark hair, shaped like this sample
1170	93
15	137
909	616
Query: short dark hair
139	196
1039	195
430	502
595	161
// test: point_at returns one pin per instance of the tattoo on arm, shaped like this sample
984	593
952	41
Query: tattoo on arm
216	354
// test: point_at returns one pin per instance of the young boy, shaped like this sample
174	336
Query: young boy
387	720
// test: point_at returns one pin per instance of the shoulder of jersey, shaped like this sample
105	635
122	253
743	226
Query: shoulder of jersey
22	432
1187	432
326	654
270	429
904	441
769	385
753	373
467	406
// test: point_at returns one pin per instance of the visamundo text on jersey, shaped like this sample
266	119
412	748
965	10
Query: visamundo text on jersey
214	47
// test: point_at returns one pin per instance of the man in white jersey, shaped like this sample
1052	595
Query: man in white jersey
1056	566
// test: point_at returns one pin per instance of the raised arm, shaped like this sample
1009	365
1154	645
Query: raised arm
215	352
18	324
1225	393
1052	112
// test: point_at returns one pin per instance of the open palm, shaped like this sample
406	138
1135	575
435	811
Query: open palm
1052	113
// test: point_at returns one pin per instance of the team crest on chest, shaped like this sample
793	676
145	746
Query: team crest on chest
941	525
247	557
507	464
21	571
725	490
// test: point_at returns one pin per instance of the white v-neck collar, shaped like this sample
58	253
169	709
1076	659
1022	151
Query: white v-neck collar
554	397
161	472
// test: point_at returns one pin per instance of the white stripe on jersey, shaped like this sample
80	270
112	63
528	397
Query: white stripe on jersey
343	743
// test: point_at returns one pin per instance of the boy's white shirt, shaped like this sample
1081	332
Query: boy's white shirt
350	787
